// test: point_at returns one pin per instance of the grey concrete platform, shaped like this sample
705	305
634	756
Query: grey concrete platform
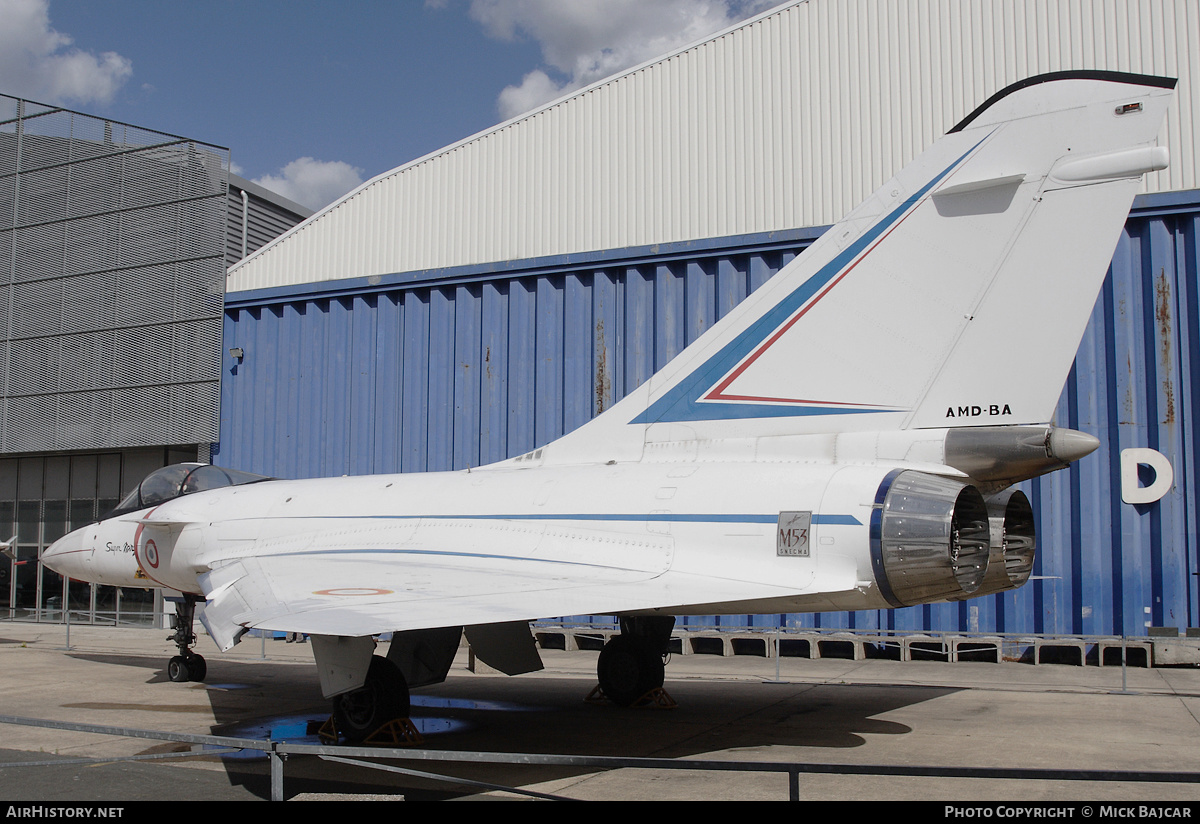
828	710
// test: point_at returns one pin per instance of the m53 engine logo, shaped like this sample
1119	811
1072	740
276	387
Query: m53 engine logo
792	536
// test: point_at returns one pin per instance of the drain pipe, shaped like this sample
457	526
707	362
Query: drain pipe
245	221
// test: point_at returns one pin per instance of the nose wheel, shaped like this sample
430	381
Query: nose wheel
187	668
187	665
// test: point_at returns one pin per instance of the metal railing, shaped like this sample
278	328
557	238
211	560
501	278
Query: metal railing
279	751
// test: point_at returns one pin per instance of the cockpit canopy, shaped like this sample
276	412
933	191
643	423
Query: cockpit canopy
177	480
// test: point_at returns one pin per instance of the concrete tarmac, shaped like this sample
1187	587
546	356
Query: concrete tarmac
829	711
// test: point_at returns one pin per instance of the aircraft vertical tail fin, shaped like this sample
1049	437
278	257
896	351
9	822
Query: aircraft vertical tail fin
956	295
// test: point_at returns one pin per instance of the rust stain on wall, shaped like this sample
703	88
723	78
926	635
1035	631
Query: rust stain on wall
603	381
1162	315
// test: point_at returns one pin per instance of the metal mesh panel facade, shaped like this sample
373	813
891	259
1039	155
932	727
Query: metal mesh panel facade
112	241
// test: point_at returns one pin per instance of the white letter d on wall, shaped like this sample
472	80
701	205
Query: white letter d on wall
1164	476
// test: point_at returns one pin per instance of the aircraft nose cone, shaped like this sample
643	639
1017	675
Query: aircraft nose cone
66	554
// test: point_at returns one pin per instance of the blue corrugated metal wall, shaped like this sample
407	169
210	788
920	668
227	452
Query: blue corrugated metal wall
456	368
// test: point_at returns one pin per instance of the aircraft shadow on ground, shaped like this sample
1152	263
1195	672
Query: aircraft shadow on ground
730	720
157	666
724	720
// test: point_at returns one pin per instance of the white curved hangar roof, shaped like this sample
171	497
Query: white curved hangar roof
786	120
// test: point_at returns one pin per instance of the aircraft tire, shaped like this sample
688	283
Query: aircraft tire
628	669
197	667
177	670
382	698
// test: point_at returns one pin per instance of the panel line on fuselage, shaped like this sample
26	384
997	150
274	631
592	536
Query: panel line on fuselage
659	517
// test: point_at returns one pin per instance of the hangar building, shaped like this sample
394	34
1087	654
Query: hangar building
483	300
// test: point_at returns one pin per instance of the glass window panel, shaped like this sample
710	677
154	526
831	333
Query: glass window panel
29	521
6	582
108	481
82	513
58	477
25	596
52	588
83	476
81	600
8	510
106	604
29	481
8	478
137	606
54	521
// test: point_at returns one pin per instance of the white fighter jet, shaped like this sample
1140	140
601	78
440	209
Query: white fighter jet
846	438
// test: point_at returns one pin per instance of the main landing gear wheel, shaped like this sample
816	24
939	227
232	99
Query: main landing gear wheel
187	668
187	665
628	669
382	698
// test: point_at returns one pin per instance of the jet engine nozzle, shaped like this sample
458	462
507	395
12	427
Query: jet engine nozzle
930	538
1014	542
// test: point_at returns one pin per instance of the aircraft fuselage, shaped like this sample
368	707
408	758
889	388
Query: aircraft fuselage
633	522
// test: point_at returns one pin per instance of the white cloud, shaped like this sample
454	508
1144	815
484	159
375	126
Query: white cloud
313	183
40	63
583	42
535	89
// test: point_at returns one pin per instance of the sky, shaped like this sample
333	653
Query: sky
314	97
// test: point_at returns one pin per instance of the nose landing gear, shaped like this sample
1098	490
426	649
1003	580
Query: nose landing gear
187	665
